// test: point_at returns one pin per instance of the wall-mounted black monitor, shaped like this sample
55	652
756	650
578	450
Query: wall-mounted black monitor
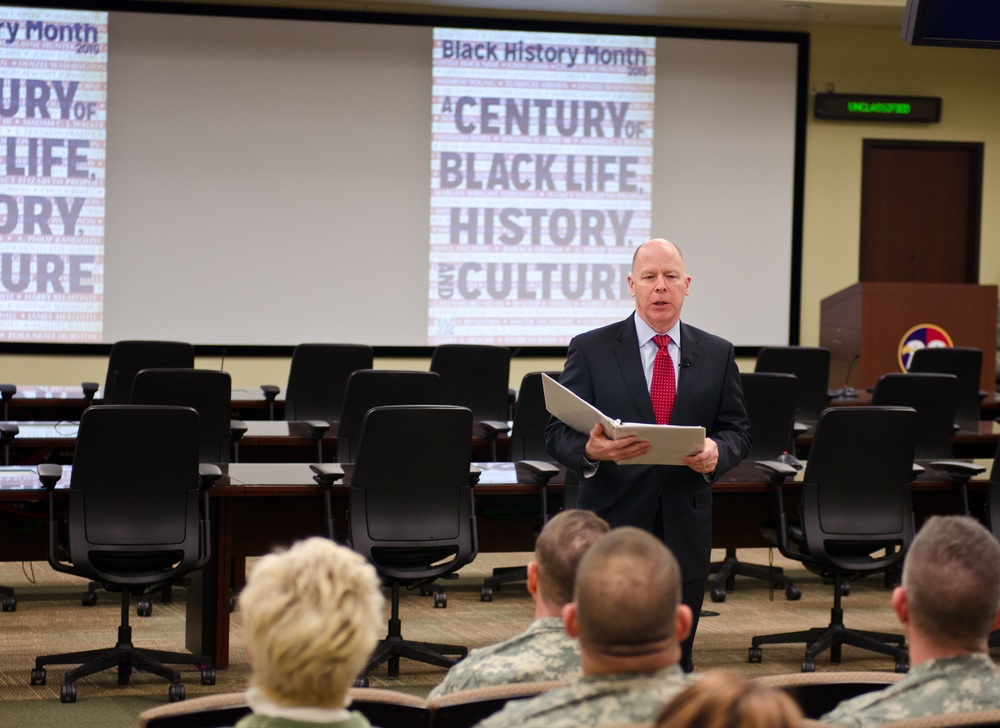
960	23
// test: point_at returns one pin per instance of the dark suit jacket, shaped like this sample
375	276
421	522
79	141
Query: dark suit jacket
604	368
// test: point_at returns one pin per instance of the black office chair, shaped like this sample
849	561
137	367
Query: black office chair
476	376
811	366
367	388
527	448
411	511
771	403
137	518
964	362
317	378
856	514
129	357
934	397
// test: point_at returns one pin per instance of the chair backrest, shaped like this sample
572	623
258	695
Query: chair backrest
469	707
476	376
387	708
208	391
411	490
811	365
964	362
856	486
527	432
134	506
771	404
934	397
367	388
817	693
203	711
317	378
129	357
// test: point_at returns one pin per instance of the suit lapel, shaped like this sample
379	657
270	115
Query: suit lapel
626	351
691	352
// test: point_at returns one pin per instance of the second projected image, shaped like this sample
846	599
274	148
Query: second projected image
541	169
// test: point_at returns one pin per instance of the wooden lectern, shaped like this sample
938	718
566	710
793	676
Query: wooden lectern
863	325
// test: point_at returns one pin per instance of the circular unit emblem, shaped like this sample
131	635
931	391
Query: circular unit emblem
922	336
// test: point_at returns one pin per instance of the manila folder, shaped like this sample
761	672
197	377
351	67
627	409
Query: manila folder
671	443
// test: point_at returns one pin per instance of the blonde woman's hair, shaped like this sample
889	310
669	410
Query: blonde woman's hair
725	699
311	615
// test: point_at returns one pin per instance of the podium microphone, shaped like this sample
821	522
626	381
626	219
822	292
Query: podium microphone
847	391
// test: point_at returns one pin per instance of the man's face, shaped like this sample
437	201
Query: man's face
659	283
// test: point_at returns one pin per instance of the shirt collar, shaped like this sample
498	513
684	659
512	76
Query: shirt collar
260	704
645	332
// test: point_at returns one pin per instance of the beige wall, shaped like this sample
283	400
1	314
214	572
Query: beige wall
843	59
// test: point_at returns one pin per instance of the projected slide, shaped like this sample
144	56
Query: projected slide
53	69
541	169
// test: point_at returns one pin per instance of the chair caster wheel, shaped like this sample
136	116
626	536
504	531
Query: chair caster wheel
808	666
144	608
793	593
67	693
427	591
361	682
902	666
89	599
38	676
845	590
208	676
440	600
486	595
9	603
755	655
718	594
176	692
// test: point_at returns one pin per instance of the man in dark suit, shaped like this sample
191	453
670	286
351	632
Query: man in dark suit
612	368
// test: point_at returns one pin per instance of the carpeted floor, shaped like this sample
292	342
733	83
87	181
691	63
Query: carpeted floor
49	618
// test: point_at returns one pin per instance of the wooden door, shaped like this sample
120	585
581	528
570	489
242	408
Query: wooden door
920	211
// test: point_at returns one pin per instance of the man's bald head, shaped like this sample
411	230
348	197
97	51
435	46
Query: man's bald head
628	589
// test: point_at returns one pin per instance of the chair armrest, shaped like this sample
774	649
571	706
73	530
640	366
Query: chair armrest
474	474
326	474
494	427
237	429
543	471
208	474
49	474
8	431
774	468
317	428
958	469
270	391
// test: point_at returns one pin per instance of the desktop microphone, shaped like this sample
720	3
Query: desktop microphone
847	390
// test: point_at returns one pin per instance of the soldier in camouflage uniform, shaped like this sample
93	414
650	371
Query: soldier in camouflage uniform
948	603
544	651
629	621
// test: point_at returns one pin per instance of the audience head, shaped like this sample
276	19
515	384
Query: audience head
558	550
951	583
725	699
312	616
627	600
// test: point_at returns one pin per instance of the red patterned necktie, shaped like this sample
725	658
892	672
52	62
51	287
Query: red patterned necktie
663	389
